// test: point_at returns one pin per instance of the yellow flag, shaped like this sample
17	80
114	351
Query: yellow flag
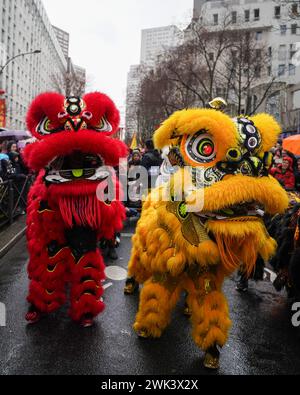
134	144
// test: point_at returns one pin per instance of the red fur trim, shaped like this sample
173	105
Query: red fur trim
81	272
101	105
87	211
93	260
80	210
87	275
72	189
86	305
39	155
47	104
89	286
51	104
43	301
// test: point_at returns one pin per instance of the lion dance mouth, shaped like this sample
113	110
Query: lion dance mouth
74	152
194	242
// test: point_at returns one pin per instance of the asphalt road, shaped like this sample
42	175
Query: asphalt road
262	339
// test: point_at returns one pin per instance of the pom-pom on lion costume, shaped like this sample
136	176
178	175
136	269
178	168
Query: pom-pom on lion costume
66	214
193	242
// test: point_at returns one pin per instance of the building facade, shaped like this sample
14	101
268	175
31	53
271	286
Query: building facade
276	24
79	84
157	40
63	39
132	95
154	43
25	28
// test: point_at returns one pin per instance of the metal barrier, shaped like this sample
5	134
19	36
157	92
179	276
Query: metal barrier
13	199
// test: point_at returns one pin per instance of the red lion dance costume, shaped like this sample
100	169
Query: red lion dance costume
66	214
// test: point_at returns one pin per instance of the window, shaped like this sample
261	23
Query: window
216	19
292	69
296	99
293	50
258	36
269	71
258	53
294	28
211	56
234	54
247	15
257	71
277	11
256	14
234	17
282	52
221	92
270	52
283	29
234	57
281	70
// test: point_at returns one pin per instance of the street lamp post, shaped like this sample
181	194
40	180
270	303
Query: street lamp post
2	92
2	68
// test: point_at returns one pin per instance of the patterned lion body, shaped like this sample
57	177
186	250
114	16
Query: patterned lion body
192	243
66	215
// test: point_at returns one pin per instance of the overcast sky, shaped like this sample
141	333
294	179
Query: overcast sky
106	34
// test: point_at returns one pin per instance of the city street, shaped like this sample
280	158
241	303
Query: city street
262	339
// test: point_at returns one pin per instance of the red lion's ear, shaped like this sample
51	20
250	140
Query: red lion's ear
101	106
45	106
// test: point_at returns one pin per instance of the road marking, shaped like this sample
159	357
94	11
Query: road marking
127	235
106	286
2	315
116	273
13	241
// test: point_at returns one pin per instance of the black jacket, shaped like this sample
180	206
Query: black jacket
151	159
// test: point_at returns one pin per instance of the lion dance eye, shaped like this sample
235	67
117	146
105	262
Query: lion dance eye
200	148
44	127
104	126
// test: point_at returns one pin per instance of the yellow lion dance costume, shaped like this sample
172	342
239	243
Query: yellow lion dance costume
193	242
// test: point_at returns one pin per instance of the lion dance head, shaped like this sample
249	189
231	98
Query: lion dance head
229	183
74	149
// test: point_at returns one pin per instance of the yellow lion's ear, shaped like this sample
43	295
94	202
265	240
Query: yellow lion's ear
162	137
269	129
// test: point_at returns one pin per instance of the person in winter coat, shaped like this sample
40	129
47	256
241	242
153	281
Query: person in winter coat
152	162
285	173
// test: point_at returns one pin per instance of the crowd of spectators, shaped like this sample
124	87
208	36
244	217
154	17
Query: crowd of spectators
13	169
286	168
148	158
12	166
